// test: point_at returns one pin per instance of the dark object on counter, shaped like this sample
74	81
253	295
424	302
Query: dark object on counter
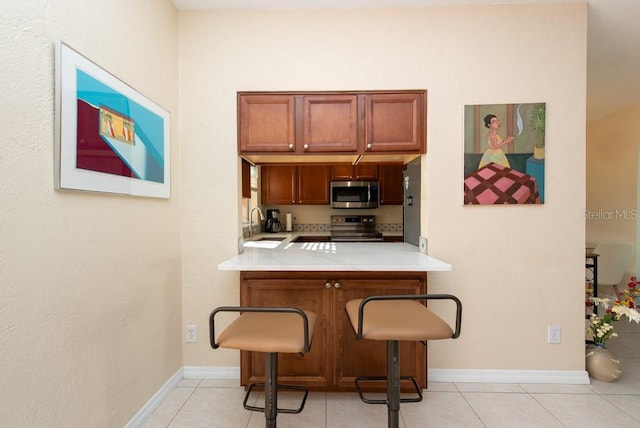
273	224
272	331
397	318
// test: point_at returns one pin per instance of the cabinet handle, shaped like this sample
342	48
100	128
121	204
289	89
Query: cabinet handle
328	285
306	147
290	146
369	146
338	285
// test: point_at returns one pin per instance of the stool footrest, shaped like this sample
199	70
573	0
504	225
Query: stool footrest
287	387
379	378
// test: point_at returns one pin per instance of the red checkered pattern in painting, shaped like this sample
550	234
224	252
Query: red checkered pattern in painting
497	184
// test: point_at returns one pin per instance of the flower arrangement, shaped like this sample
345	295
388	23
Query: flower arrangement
601	328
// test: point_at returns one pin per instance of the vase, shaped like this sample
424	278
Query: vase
538	153
601	363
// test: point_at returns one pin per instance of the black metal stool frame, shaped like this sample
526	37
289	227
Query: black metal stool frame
270	384
393	377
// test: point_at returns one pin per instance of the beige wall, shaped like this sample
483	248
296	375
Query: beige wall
517	269
91	298
612	177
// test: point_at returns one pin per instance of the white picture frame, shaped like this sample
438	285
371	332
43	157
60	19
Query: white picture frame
109	137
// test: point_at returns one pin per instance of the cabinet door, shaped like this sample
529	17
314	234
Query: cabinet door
342	171
391	182
395	122
366	171
329	123
313	184
278	184
266	123
246	179
312	369
347	171
368	357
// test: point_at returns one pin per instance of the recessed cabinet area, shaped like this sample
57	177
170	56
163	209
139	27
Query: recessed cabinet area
308	184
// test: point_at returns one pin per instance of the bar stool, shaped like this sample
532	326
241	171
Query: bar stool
394	318
268	330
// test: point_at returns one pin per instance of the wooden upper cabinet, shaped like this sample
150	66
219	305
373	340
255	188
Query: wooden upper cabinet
279	185
391	184
246	179
362	171
334	123
266	123
306	184
395	122
329	123
313	184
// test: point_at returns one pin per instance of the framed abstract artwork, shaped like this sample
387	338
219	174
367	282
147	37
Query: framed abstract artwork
109	137
504	154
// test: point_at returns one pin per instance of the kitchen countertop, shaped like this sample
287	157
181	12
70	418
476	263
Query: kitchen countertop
287	255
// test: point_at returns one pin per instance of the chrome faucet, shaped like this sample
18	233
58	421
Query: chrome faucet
251	219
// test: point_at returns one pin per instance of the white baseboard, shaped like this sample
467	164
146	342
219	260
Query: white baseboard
434	375
198	372
154	402
509	376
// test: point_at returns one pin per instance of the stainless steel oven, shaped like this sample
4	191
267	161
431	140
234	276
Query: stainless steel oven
354	228
355	194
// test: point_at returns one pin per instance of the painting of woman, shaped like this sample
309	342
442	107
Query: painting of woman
495	142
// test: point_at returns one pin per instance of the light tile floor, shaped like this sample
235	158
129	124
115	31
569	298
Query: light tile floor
207	403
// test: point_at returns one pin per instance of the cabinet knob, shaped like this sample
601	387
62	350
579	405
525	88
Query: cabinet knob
306	147
328	285
290	146
338	285
369	146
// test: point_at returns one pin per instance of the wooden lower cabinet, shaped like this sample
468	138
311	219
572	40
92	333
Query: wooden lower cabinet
336	357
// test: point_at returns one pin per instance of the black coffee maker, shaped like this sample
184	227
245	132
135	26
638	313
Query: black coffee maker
273	221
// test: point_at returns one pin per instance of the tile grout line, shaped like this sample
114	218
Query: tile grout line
547	410
185	402
469	404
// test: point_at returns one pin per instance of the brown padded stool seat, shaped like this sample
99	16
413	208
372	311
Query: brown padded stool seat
272	331
267	332
398	320
395	318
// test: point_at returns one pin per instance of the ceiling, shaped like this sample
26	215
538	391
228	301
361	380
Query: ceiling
613	40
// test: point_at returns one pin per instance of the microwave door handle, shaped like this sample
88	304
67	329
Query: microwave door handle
368	191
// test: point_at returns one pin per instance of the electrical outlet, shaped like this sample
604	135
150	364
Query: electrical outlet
553	334
192	334
423	244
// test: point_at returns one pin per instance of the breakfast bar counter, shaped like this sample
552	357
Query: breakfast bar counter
334	256
322	277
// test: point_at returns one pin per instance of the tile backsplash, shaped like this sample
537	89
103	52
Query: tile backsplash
314	227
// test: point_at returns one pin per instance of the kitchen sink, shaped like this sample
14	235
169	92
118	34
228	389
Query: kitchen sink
264	242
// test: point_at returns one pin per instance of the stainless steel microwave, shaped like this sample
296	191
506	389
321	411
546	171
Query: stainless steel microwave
355	194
